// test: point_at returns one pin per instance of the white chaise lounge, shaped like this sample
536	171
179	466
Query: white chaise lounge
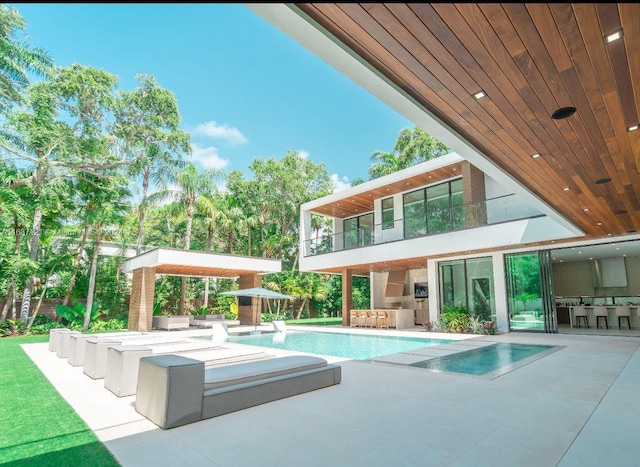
174	390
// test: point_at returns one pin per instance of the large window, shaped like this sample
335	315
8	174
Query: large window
468	283
358	231
434	210
414	211
387	214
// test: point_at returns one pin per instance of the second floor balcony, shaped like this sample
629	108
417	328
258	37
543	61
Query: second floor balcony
421	224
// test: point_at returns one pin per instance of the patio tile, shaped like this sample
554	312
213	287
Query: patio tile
575	407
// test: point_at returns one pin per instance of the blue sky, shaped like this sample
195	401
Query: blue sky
244	89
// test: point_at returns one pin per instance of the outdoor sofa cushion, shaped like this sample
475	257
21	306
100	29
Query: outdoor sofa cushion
215	378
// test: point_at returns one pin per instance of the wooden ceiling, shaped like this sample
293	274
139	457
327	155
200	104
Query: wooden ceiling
530	59
363	202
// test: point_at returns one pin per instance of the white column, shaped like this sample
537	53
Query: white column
434	289
500	290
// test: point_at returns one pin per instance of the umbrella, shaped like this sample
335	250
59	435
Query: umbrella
258	292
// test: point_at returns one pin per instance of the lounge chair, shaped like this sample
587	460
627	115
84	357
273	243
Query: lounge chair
174	390
123	362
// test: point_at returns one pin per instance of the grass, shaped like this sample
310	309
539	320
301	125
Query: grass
37	426
316	321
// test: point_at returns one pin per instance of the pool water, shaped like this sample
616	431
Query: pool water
493	359
345	345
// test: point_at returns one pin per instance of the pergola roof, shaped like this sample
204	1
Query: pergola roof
200	264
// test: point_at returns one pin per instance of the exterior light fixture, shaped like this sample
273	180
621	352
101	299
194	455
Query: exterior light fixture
535	156
633	128
586	209
566	188
479	95
613	37
599	223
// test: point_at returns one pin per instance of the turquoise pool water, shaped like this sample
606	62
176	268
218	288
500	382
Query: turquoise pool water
493	359
345	345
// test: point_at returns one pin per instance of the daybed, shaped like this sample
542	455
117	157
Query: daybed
174	390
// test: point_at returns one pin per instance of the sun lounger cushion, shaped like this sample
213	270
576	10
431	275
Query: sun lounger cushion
243	373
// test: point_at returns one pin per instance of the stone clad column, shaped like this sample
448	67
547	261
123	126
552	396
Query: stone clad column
473	195
249	314
347	296
141	302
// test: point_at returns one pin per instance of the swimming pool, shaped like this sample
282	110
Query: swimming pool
345	345
492	360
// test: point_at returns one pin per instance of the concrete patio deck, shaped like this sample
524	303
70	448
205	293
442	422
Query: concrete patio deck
579	406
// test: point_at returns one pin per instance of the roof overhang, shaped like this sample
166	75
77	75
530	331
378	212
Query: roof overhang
194	263
427	60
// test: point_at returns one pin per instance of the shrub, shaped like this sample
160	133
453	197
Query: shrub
459	319
113	324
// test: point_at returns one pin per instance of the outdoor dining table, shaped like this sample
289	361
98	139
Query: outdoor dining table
611	309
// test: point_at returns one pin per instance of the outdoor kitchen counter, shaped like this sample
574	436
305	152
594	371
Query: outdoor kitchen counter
400	318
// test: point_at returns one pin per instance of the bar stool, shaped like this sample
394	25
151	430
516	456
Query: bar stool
580	312
364	318
382	320
601	312
373	318
353	319
623	312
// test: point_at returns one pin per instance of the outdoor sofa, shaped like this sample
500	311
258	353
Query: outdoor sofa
170	322
174	390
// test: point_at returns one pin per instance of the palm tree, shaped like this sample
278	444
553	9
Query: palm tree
191	186
248	222
156	169
17	59
105	205
229	216
207	206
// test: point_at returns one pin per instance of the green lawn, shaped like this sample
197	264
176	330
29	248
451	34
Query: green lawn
37	426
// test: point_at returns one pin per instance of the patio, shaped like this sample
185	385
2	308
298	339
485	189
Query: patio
575	407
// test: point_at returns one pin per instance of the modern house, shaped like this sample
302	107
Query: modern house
538	208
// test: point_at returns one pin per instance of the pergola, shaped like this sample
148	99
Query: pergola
145	266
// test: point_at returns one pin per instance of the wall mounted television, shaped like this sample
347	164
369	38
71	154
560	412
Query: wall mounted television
421	290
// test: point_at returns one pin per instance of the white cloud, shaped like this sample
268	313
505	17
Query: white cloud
208	157
340	184
214	130
303	154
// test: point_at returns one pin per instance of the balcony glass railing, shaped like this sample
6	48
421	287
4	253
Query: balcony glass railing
492	211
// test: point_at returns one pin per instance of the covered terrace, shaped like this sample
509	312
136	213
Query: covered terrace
145	266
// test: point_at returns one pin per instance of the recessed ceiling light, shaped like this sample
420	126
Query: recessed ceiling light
633	128
535	156
566	188
563	112
599	223
586	209
479	95
602	181
613	37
